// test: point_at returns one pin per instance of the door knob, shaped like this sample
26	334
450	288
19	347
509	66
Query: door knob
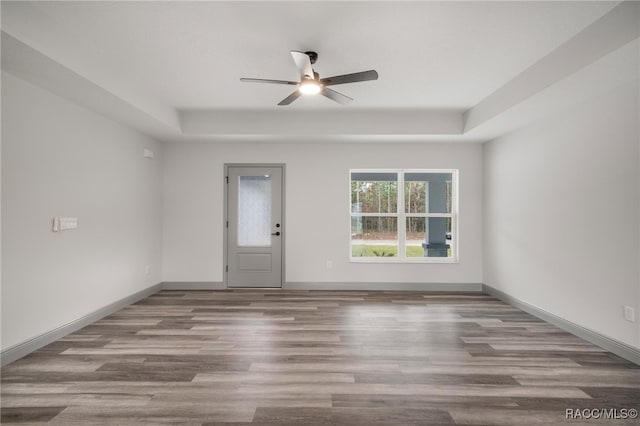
277	234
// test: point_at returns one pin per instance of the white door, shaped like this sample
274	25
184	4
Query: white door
255	228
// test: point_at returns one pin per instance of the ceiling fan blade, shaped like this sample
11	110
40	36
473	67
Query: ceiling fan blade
263	80
292	97
336	96
350	78
303	63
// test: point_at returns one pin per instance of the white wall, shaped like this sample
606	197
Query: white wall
561	213
317	219
59	159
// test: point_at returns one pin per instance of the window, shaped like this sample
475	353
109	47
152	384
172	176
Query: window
404	215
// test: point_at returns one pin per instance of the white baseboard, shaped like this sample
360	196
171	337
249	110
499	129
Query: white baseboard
22	349
384	286
621	349
361	286
193	285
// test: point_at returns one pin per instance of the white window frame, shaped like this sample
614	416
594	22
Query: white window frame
401	219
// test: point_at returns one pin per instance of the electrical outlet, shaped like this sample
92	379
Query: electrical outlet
629	314
147	268
329	264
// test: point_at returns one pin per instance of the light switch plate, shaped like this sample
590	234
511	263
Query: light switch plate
66	223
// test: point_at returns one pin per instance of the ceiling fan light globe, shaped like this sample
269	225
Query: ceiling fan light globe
310	88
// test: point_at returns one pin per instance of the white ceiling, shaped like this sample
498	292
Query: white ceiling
174	56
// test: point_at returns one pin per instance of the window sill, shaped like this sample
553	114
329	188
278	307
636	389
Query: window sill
404	261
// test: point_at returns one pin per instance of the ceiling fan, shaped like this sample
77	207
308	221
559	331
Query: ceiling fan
310	82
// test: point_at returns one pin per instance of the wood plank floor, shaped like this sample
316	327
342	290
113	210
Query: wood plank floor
317	357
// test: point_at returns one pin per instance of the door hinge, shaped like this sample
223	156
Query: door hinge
226	268
226	178
227	224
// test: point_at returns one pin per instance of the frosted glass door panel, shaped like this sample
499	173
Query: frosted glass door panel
254	211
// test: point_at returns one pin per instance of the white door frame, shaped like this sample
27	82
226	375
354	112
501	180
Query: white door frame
225	218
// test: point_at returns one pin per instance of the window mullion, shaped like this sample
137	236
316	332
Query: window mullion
402	226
